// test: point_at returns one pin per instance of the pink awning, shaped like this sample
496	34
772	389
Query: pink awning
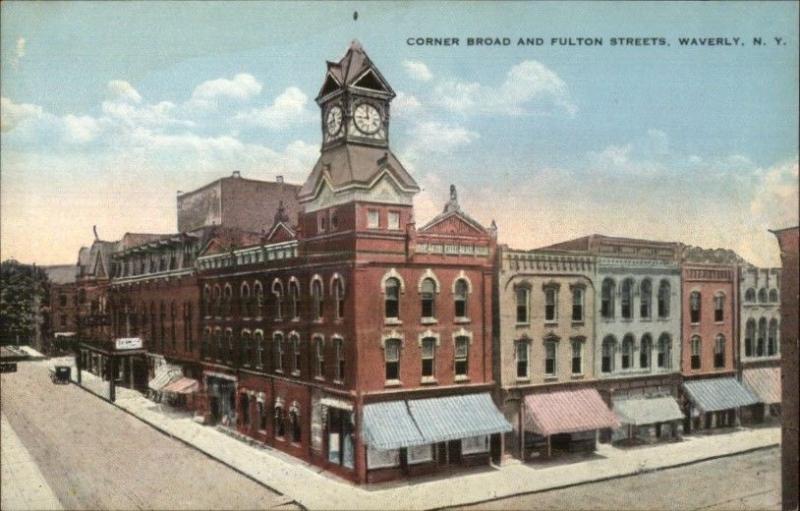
567	411
182	386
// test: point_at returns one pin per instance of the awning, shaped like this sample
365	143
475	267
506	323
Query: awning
335	402
165	374
389	426
647	410
568	411
452	417
764	382
715	394
182	385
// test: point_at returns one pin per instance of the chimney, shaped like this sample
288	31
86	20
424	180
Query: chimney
279	179
236	174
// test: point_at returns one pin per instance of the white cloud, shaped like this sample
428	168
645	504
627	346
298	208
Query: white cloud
120	90
12	114
776	195
19	52
289	108
440	138
406	105
417	70
529	87
81	129
243	87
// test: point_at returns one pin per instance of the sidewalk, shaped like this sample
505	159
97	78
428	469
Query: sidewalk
22	486
315	490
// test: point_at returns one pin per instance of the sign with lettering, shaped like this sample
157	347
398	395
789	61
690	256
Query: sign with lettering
128	343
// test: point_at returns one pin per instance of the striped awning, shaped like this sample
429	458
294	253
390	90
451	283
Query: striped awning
182	386
449	418
647	410
165	374
389	425
716	394
764	382
568	411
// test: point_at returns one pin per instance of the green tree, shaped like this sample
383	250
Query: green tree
23	290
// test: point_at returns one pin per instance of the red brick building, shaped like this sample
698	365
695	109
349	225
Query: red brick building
350	337
62	308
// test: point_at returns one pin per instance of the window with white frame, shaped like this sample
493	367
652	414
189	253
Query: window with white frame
577	356
338	296
338	345
392	298
719	307
627	351
319	356
428	298
462	356
373	218
259	341
294	299
475	444
550	358
379	458
521	354
392	359
645	298
577	304
277	291
550	304
719	351
460	298
428	357
277	344
646	351
294	342
696	345
316	299
393	220
420	454
522	295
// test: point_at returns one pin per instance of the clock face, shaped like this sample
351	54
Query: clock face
367	118
333	121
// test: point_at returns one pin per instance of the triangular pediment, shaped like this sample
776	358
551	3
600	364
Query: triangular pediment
454	222
214	246
330	85
280	232
370	80
99	268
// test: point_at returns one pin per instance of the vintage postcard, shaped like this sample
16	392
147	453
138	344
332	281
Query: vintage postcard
399	255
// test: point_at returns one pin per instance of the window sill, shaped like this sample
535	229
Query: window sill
392	322
694	323
578	322
279	371
461	378
550	378
526	324
428	380
429	321
551	322
338	382
295	319
645	320
525	379
295	373
319	378
626	320
577	376
461	320
318	321
393	383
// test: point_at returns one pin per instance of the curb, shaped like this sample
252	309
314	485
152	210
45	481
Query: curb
609	478
188	444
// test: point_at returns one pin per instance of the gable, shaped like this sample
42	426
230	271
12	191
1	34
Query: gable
214	247
454	223
99	269
370	81
329	86
281	232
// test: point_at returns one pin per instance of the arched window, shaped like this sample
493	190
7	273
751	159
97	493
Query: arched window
697	348
428	298
244	300
627	299
694	307
247	348
392	298
462	356
609	349
230	356
280	426
460	298
749	335
664	296
762	337
772	339
338	345
277	291
294	342
773	295
205	346
607	293
319	357
227	300
428	357
762	295
550	358
316	299
258	295
646	351
719	351
294	424
294	299
522	298
259	342
646	299
392	359
207	301
628	343
664	351
750	295
338	296
217	301
277	345
719	307
218	351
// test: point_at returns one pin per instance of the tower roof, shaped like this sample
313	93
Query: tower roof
353	68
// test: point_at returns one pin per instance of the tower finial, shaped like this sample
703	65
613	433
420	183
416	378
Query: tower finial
452	204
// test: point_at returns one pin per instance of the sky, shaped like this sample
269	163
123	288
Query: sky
109	109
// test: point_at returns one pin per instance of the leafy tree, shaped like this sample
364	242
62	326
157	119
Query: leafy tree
23	293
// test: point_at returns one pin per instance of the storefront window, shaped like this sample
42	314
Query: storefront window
475	445
377	458
340	437
420	454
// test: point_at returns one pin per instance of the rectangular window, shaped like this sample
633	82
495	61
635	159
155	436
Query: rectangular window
428	357
373	218
522	359
577	360
550	310
550	358
719	353
462	356
393	220
295	354
378	458
320	356
392	355
719	308
475	444
420	454
522	305
577	304
339	344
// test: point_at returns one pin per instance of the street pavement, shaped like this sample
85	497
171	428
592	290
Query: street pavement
91	455
750	481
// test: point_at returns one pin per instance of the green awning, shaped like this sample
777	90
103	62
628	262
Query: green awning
716	394
449	418
639	412
389	425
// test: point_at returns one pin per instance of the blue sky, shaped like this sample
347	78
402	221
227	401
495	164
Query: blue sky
110	108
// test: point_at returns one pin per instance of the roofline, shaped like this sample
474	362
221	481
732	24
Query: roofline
221	179
779	231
